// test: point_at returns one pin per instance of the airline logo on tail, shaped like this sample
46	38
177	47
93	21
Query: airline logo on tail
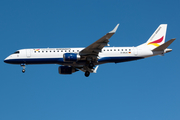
155	43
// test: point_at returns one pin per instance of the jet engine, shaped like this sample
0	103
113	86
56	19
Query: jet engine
66	70
71	57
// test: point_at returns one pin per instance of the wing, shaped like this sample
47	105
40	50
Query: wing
96	47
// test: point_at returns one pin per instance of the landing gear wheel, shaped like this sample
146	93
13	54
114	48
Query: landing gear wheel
23	70
23	65
87	73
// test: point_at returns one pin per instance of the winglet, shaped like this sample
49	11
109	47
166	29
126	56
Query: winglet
114	30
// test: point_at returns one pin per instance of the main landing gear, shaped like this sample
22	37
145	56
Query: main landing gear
91	65
23	70
89	68
87	73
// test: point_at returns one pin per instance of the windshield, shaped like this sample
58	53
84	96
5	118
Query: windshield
16	52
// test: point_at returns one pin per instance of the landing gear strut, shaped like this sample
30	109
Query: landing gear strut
23	70
91	65
87	73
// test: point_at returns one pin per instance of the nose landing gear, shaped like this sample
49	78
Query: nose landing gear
23	70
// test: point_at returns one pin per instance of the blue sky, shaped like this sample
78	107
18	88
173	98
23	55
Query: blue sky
145	89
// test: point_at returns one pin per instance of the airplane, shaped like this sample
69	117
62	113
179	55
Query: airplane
89	58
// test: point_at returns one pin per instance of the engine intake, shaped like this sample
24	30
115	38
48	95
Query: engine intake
66	70
71	57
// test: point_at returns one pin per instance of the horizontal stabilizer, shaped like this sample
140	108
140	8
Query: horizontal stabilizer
164	46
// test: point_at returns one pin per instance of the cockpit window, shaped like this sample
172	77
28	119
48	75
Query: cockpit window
16	52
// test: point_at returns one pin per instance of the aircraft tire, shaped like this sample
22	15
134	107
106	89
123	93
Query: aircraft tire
23	70
87	73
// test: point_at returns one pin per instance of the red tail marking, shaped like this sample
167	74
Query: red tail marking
158	41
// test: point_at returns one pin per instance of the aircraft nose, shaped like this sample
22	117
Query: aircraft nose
5	60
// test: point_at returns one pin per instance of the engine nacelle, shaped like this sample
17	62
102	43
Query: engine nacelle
66	70
71	57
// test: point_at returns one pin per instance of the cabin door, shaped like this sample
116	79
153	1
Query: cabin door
135	51
28	53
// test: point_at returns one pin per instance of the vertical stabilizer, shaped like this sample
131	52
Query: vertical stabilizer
157	38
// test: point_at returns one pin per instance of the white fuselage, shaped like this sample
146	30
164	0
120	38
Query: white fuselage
55	55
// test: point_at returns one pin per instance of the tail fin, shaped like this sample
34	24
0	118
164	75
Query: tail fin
157	38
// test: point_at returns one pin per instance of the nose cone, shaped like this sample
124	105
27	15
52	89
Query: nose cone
6	60
13	60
